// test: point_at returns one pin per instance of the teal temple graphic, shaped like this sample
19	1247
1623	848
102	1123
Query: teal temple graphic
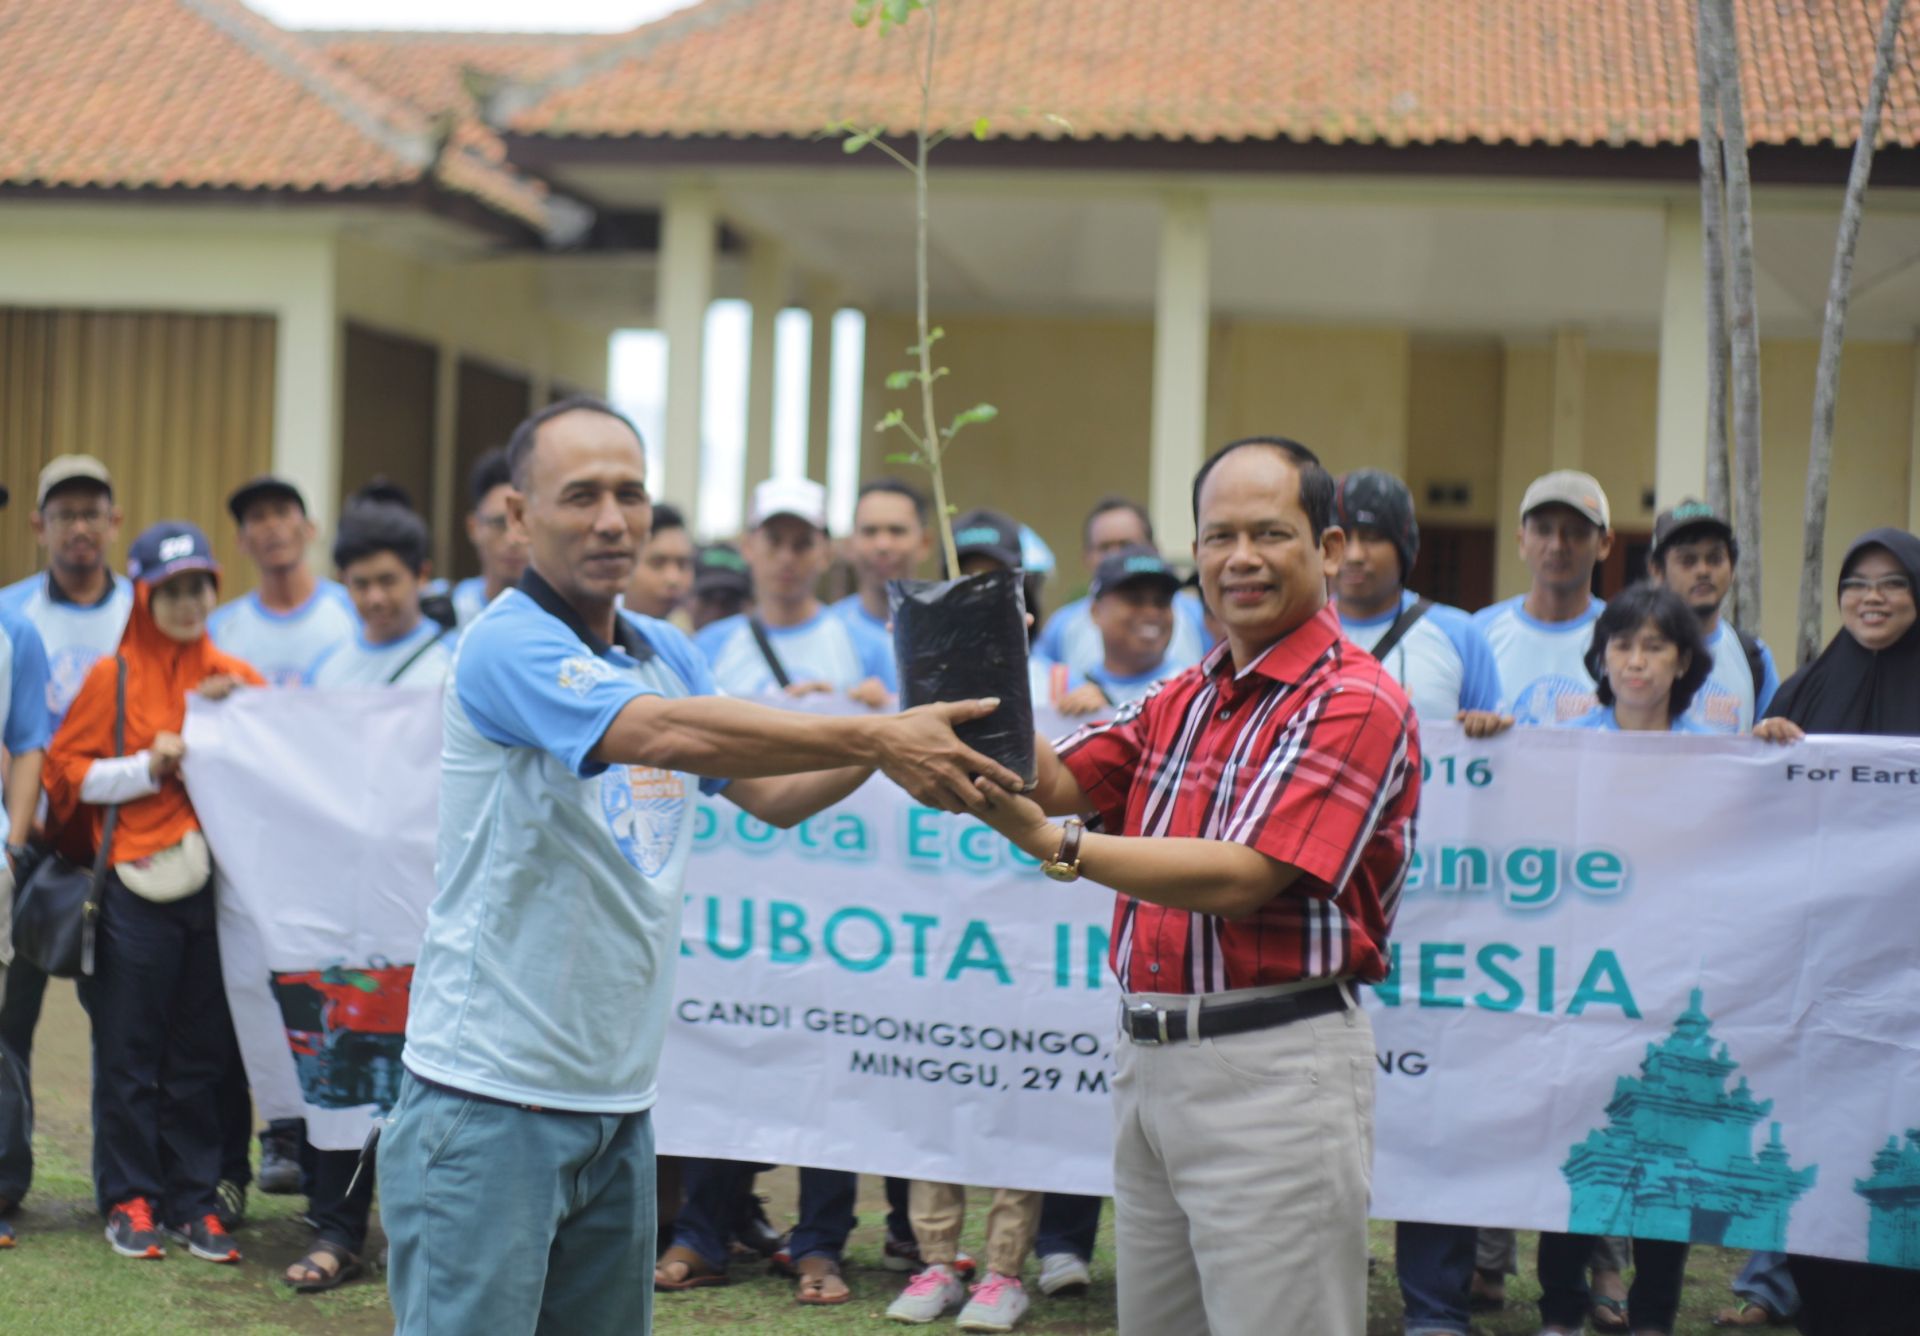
1676	1159
1893	1203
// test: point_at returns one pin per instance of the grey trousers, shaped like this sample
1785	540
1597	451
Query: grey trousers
1241	1171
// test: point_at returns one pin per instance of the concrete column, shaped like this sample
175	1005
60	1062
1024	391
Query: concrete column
1567	436
1913	450
822	303
307	382
1181	319
685	284
448	503
1680	433
767	295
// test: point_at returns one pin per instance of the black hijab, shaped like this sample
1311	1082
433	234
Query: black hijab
1849	688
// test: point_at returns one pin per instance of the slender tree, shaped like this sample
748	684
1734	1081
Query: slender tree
1826	382
1744	318
1713	245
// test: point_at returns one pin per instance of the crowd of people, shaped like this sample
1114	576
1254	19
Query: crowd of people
1300	625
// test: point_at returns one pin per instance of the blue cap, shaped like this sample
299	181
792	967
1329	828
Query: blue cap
1133	565
165	549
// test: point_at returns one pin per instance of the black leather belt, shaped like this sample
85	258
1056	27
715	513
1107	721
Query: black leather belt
1145	1023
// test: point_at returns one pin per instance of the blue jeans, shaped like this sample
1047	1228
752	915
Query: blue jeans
1765	1280
1436	1273
1068	1224
713	1186
510	1221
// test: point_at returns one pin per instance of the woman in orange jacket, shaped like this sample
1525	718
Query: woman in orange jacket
162	1035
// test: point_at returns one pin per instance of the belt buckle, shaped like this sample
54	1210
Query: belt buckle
1144	1010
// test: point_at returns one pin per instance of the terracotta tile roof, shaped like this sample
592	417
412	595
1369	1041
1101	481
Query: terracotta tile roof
449	71
205	94
1336	71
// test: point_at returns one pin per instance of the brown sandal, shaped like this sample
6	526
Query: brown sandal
696	1272
813	1275
346	1267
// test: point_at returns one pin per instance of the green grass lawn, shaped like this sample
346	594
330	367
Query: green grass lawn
64	1281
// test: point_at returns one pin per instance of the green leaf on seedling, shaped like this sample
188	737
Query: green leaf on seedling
893	419
854	143
980	128
900	380
978	413
913	458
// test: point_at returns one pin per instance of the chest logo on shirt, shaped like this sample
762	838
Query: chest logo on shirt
1717	708
643	808
1554	700
580	673
66	671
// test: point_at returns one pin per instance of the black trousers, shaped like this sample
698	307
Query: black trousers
1854	1298
163	1043
339	1216
1652	1302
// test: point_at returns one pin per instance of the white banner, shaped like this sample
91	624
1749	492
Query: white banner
1622	961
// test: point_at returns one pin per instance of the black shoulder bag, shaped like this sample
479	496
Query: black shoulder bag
414	658
765	642
1402	624
57	909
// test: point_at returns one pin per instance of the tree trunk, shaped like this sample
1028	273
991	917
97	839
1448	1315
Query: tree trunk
1744	321
1713	244
1826	382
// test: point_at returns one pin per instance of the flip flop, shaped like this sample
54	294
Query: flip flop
1748	1314
699	1273
350	1268
813	1270
1615	1314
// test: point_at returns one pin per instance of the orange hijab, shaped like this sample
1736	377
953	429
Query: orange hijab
160	673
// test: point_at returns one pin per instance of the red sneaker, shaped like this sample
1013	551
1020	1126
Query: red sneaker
131	1231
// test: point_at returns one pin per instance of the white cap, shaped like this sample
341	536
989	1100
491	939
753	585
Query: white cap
803	498
1571	488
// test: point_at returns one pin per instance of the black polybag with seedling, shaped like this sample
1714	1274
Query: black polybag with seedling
966	639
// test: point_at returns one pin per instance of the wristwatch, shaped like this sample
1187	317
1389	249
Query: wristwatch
1065	864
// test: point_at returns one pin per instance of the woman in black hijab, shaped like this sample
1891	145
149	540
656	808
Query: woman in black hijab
1867	680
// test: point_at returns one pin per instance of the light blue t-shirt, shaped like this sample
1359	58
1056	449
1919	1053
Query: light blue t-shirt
1542	665
547	969
422	657
1125	690
1600	719
74	636
27	725
855	610
828	648
284	646
1070	637
1725	702
469	599
1443	662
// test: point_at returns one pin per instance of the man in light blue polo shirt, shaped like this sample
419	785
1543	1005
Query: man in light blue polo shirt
1539	638
517	1172
381	554
285	626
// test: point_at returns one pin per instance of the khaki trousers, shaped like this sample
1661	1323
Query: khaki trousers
938	1210
1241	1170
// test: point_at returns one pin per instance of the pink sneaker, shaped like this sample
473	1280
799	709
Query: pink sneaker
998	1304
929	1296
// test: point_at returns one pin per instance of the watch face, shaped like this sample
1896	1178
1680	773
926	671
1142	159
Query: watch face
1061	871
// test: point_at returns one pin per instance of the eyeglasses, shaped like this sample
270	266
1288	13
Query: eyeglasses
1887	586
493	524
72	519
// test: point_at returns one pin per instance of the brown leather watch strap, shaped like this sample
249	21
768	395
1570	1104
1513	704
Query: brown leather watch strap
1069	854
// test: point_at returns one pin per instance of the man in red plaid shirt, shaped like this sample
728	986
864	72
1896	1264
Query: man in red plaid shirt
1259	811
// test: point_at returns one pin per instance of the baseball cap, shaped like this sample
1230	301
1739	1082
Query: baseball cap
62	469
165	549
1571	488
988	533
1379	500
802	498
260	489
1134	564
718	568
1689	515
